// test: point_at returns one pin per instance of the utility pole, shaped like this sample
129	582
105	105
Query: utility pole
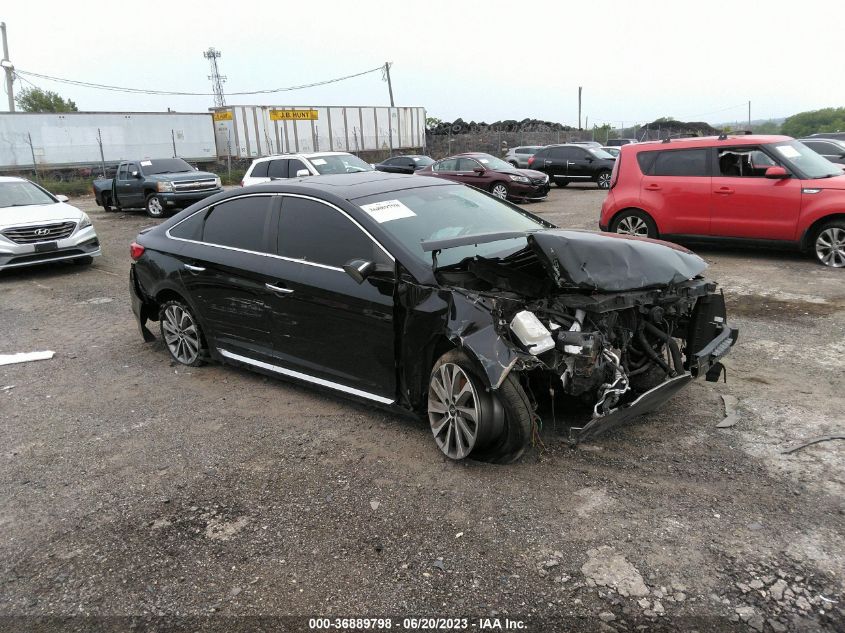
8	67
579	107
387	79
212	54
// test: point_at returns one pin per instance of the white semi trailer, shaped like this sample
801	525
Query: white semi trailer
58	144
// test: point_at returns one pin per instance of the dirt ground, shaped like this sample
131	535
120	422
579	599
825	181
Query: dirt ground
139	494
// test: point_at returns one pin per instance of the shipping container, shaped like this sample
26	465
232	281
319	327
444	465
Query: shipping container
74	139
251	131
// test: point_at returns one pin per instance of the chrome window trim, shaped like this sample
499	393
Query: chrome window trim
306	377
273	255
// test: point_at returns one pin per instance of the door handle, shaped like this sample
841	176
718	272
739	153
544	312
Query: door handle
724	190
652	187
286	291
194	269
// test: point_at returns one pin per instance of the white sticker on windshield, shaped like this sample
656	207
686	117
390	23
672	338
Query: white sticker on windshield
319	161
484	160
146	163
416	160
788	151
387	211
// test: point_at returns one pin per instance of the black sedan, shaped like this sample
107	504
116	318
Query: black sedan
404	164
431	297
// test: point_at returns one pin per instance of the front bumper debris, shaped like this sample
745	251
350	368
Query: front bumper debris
647	402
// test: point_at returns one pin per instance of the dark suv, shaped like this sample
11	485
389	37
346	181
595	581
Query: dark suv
574	163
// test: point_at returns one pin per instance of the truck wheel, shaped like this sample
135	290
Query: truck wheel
561	183
154	206
603	179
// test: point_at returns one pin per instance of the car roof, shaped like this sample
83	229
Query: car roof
710	141
12	179
839	141
353	186
307	155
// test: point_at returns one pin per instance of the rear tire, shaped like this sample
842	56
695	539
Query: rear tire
603	179
829	244
182	334
154	206
634	222
561	183
467	420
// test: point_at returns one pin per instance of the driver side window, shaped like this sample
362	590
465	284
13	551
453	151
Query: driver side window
743	162
468	164
317	233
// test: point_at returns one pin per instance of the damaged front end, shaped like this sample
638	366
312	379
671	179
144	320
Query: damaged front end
616	326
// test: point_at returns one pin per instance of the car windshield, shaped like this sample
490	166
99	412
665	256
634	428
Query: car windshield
413	216
599	152
164	166
23	194
422	161
491	162
812	164
339	164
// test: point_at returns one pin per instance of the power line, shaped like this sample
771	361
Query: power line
88	84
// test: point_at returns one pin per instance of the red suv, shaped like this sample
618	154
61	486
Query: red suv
769	190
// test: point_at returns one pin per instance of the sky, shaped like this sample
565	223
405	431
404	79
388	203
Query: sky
484	60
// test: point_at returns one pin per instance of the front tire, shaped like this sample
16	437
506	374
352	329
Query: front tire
182	334
154	206
500	190
561	183
603	179
634	222
469	421
829	245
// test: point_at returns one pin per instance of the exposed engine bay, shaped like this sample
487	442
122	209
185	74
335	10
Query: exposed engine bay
622	351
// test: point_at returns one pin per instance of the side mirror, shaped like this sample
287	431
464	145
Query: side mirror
136	174
62	198
359	269
479	171
776	173
302	173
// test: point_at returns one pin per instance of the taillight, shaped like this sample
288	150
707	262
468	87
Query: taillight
614	174
530	161
135	251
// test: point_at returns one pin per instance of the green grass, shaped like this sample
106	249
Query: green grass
67	188
234	179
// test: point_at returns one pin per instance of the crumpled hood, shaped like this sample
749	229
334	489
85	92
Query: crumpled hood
612	263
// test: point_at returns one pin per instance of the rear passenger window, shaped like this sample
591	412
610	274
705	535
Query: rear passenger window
278	169
239	223
190	229
260	169
294	166
679	162
316	232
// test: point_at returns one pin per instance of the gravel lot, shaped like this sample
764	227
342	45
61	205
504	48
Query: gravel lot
133	487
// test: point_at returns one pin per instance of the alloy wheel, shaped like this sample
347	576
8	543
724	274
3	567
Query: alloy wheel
830	247
500	191
632	225
453	411
181	334
604	180
154	207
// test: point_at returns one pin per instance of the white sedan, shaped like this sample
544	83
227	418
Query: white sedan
38	227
